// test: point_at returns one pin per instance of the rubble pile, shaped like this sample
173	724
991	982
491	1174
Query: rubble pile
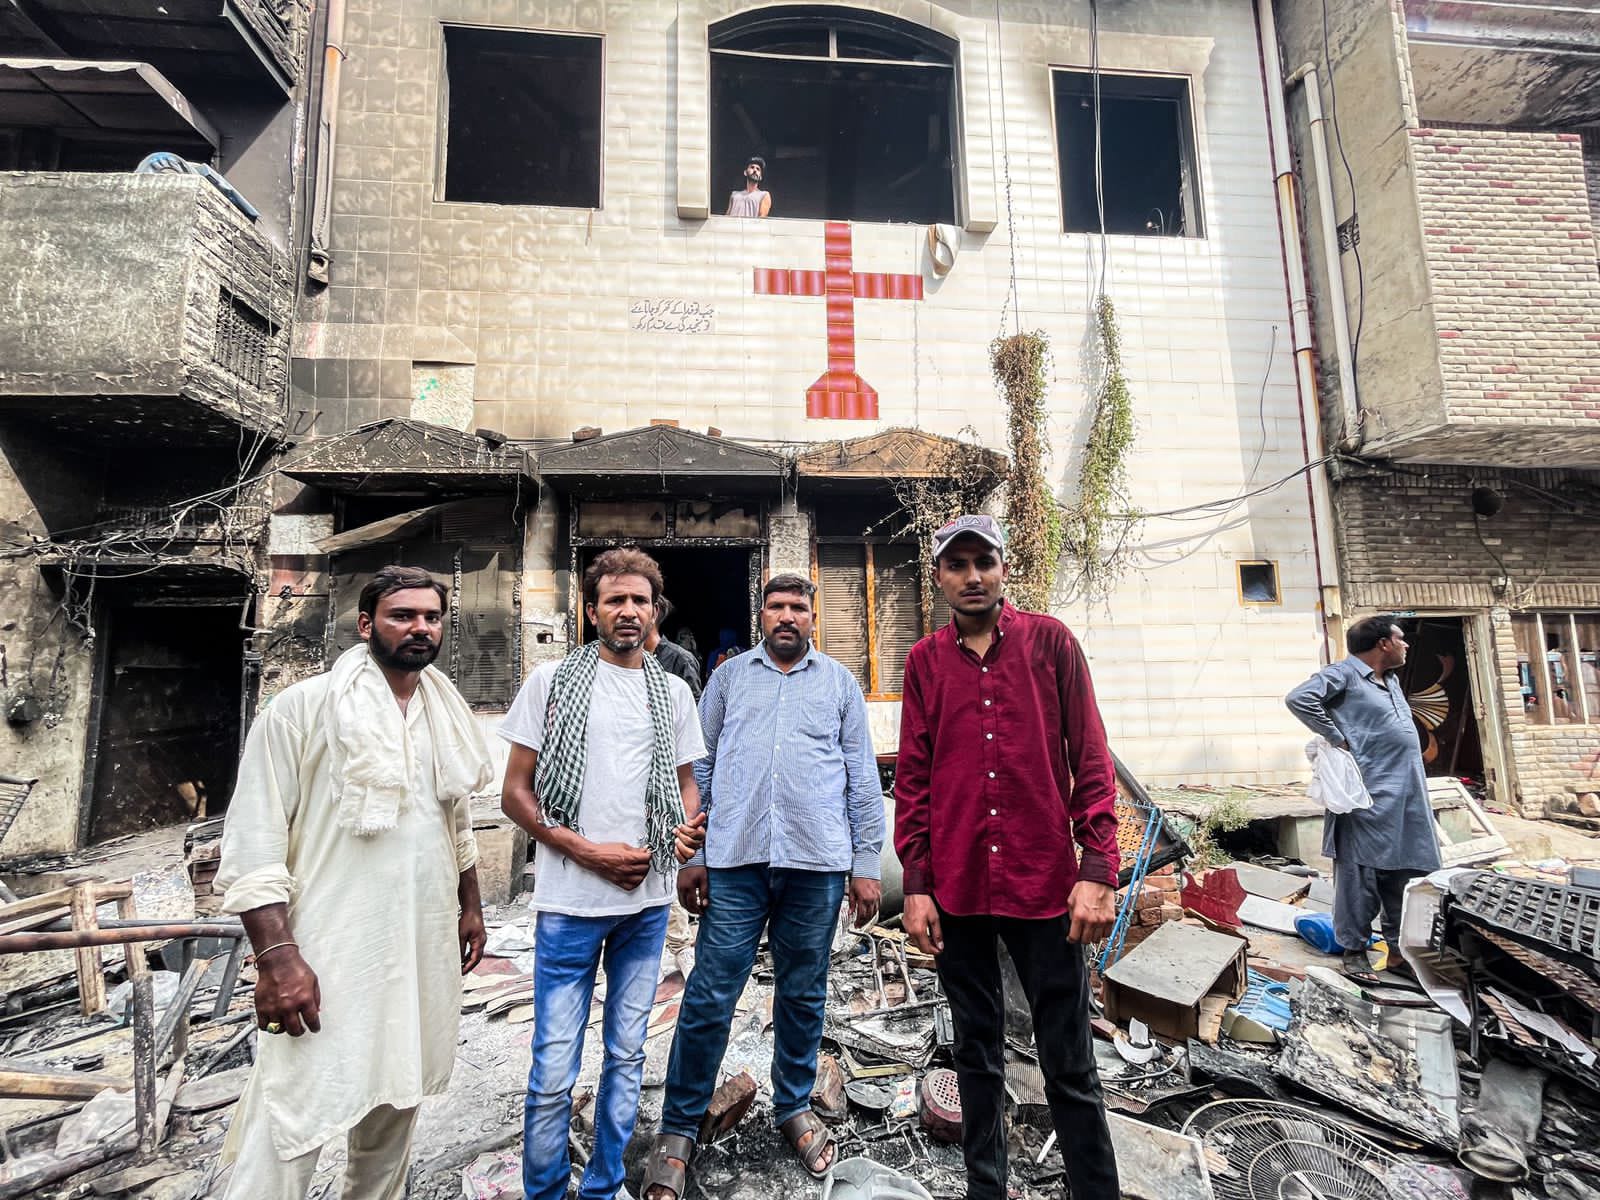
1235	1059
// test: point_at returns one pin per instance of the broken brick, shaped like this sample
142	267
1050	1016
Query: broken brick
729	1104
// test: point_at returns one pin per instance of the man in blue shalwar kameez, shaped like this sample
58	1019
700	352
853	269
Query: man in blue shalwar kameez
1358	704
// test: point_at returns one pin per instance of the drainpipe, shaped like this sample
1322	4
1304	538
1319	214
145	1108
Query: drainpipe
1350	405
1324	547
327	142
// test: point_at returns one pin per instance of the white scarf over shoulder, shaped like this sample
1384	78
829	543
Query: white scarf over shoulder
370	759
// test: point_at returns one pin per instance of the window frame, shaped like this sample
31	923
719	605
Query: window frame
1587	713
442	121
1277	582
1188	139
835	19
874	668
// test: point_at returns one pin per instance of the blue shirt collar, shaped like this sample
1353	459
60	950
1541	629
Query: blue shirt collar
759	654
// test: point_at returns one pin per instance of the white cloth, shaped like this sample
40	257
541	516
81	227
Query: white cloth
1335	778
616	764
375	918
369	756
377	1158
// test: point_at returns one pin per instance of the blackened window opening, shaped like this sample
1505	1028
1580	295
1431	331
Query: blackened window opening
854	114
1146	151
524	118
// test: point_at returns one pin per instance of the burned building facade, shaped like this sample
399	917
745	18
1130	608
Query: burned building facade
541	333
144	359
1448	157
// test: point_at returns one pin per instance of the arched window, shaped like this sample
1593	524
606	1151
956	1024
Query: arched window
854	113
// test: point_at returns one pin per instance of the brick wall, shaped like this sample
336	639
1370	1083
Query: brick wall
1410	542
1408	539
1511	254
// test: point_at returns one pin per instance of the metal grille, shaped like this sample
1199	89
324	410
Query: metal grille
13	793
1568	978
242	342
1566	918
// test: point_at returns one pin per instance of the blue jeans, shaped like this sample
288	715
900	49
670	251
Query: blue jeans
568	950
800	908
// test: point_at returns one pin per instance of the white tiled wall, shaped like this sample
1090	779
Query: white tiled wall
1191	682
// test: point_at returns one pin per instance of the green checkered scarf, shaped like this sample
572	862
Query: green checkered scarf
559	777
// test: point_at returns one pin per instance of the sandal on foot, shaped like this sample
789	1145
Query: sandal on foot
810	1154
660	1169
1357	967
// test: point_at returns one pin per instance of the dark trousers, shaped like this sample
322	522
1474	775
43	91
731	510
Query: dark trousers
1362	893
1056	983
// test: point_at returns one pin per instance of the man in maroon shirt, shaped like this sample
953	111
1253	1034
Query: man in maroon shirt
1003	764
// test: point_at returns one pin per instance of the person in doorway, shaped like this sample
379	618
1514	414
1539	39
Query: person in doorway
751	200
728	646
348	854
600	776
1358	704
679	952
673	657
1003	764
794	808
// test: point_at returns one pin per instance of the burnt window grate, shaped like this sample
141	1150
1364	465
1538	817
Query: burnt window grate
242	341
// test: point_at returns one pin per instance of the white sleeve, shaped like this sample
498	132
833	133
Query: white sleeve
524	723
691	742
254	871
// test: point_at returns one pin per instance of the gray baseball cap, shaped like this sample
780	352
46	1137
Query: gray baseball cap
976	524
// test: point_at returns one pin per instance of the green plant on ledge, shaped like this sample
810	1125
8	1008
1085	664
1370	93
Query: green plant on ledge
1100	510
1033	518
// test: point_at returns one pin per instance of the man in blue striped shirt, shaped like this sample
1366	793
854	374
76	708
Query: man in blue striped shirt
790	786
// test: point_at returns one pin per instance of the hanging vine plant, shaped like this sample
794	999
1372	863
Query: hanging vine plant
1034	530
1099	523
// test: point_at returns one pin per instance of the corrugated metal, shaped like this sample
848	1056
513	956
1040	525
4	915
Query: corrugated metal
842	605
899	616
486	657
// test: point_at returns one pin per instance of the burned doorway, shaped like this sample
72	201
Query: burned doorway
712	591
168	717
1438	683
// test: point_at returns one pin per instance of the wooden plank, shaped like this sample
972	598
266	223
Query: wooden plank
174	1028
60	898
144	1036
34	1083
91	981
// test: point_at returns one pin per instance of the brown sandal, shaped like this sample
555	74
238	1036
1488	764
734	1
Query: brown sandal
795	1128
661	1172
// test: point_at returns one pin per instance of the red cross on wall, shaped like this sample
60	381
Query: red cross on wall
839	391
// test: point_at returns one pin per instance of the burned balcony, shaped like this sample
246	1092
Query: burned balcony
140	308
201	45
200	539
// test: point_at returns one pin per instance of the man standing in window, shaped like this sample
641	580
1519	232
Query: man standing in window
752	201
1358	704
599	775
1003	764
348	854
790	788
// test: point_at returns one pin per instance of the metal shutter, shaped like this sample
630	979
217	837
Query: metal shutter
842	605
486	646
898	619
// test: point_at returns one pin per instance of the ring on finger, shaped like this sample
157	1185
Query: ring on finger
273	1027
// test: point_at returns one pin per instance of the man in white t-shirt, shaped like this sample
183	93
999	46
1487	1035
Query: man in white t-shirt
601	777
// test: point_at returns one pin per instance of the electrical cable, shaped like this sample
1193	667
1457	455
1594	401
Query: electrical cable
1013	300
1350	179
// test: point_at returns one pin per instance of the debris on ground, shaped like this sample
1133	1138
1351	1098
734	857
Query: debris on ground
1236	1060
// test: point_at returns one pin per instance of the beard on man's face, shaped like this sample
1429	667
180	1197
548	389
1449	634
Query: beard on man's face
409	653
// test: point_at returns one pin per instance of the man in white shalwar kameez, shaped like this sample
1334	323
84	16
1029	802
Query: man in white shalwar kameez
348	854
